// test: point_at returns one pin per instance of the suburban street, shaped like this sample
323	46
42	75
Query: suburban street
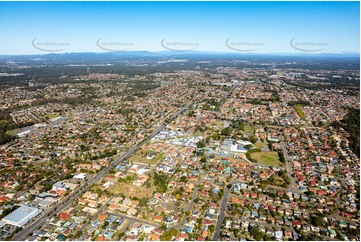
180	224
222	212
293	186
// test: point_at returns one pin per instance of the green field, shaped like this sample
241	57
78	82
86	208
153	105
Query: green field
248	129
260	145
141	157
266	158
50	116
298	108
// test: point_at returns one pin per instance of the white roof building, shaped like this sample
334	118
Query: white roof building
80	176
21	215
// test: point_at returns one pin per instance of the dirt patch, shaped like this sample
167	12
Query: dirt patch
130	190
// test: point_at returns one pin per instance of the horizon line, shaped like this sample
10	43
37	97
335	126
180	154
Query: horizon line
355	53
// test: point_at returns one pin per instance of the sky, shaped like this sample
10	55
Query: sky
249	27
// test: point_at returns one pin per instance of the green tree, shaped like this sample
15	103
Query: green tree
212	228
317	220
201	144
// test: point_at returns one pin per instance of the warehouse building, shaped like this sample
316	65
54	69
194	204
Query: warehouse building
21	216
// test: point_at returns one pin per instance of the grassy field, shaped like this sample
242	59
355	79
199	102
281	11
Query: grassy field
50	116
248	129
260	145
299	111
141	157
266	158
130	190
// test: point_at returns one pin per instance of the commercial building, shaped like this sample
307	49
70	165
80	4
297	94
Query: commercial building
21	216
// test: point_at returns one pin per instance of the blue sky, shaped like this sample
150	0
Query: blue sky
260	27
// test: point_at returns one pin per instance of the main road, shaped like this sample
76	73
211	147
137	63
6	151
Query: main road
61	205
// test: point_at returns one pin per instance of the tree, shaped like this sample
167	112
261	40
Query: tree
351	123
216	136
253	139
212	228
161	182
143	201
248	146
317	220
47	186
183	179
238	125
256	234
281	156
201	144
227	131
166	236
31	197
203	159
173	232
106	223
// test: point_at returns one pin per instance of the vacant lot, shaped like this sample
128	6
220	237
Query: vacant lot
266	158
141	157
130	190
239	160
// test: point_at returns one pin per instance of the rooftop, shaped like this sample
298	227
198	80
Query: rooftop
21	215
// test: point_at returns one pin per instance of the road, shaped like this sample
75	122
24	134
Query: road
24	233
222	213
180	224
293	185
